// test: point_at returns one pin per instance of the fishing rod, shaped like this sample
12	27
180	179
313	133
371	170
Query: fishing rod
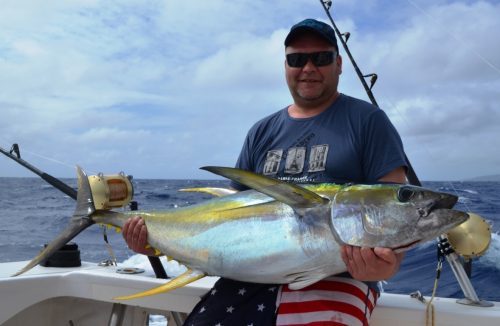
56	183
326	4
462	276
15	154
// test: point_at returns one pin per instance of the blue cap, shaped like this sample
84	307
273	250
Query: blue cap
315	26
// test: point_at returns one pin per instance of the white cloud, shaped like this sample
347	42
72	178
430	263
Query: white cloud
158	89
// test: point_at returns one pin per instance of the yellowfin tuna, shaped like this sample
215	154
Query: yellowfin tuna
276	232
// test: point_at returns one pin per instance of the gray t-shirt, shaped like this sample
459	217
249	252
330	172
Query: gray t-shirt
351	141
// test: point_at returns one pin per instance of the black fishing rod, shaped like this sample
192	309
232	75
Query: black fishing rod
412	176
56	183
15	154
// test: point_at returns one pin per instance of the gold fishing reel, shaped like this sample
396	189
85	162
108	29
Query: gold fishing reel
111	191
472	238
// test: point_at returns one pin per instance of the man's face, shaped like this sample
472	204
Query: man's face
312	86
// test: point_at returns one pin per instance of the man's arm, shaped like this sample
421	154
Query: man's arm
374	264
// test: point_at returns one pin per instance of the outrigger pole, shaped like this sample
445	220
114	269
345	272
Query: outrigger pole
453	259
411	175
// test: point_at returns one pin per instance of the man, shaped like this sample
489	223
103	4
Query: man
324	136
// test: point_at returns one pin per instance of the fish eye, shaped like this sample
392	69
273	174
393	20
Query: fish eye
405	194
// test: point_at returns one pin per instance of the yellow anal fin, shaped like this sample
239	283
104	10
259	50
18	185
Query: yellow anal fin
217	192
181	280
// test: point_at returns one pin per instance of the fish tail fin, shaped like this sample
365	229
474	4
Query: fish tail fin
84	200
80	221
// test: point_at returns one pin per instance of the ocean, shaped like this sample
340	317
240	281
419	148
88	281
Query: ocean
33	212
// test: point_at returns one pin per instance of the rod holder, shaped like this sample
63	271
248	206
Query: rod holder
470	294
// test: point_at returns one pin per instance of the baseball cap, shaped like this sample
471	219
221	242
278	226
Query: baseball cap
313	25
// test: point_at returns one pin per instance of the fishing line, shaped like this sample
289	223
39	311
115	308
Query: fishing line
23	150
48	158
430	316
459	40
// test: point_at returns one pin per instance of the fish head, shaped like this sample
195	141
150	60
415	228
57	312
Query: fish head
392	215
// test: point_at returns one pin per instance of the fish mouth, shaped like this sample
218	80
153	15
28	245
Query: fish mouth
444	202
447	201
407	246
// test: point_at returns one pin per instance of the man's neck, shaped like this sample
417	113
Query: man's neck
303	111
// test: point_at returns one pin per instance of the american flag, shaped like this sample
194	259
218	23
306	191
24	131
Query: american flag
334	301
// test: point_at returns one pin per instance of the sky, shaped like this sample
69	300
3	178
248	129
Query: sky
159	88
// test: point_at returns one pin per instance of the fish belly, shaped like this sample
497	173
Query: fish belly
258	249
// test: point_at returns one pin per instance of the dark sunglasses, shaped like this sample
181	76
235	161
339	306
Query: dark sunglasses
319	59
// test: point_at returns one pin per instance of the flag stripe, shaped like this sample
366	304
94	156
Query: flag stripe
326	295
333	301
321	305
334	286
321	318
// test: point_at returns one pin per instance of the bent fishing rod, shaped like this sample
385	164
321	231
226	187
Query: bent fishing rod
411	175
15	154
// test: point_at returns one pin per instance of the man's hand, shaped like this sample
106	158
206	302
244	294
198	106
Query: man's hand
135	234
371	264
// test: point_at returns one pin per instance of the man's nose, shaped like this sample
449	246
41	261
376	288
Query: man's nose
309	66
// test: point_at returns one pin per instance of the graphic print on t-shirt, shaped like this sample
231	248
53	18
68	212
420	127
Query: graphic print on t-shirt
273	159
295	160
317	158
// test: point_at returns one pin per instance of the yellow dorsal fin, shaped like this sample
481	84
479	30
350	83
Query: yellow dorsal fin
288	193
181	280
217	192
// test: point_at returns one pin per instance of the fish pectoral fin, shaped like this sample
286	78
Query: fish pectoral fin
300	280
217	192
181	280
288	193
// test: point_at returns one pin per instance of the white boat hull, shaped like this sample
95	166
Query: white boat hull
56	296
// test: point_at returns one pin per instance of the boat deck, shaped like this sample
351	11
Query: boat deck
101	284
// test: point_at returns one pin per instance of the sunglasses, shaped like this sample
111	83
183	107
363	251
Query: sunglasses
319	59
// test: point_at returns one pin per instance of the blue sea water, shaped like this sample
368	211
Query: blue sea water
33	212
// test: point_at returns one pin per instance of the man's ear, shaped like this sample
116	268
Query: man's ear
338	62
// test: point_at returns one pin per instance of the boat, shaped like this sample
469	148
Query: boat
82	296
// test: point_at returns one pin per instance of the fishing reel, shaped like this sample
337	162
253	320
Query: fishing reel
111	191
472	238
